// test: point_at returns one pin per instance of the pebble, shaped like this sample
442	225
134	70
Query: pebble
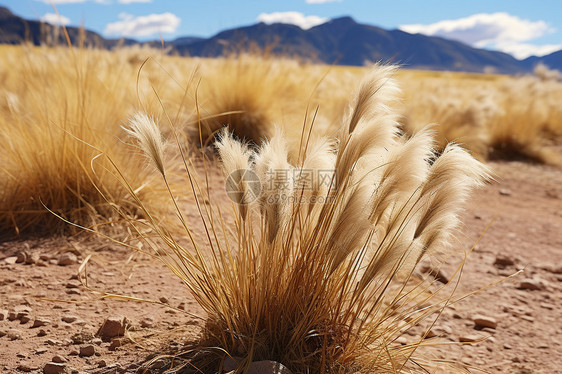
53	342
67	259
3	314
26	368
54	368
59	359
69	319
13	334
163	300
531	284
81	337
115	343
40	351
40	321
469	338
10	260
505	192
112	327
147	322
484	321
87	350
502	260
41	332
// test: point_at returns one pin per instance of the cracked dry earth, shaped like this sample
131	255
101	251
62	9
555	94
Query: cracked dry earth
50	322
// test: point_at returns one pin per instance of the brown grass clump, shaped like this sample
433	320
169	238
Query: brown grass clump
492	116
251	94
316	272
59	110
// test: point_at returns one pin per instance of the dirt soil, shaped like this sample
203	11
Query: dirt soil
49	320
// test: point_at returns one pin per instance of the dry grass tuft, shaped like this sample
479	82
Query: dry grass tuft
492	116
250	94
317	271
59	110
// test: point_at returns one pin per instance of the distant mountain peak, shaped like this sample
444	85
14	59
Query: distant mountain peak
5	12
342	20
341	40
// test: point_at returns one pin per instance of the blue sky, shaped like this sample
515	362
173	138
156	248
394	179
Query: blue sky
519	27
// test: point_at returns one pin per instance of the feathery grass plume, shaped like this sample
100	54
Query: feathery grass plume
146	131
311	279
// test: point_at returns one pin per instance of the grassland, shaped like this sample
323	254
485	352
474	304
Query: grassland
77	146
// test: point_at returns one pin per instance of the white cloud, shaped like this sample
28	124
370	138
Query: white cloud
143	25
500	31
55	19
134	1
320	1
293	18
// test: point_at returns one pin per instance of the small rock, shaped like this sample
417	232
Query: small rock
147	322
73	284
543	345
40	321
87	350
26	368
101	363
112	327
505	192
59	359
3	314
163	300
96	341
69	319
54	368
73	291
25	319
531	284
13	334
40	351
82	337
53	342
502	261
469	338
22	310
115	343
10	260
41	332
67	259
401	340
528	318
484	321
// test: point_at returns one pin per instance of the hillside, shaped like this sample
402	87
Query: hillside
341	41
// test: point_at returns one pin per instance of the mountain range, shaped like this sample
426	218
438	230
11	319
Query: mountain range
340	41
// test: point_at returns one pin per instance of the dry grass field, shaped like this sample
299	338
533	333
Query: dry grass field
401	204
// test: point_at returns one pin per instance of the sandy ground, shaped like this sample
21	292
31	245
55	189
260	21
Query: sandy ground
49	320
